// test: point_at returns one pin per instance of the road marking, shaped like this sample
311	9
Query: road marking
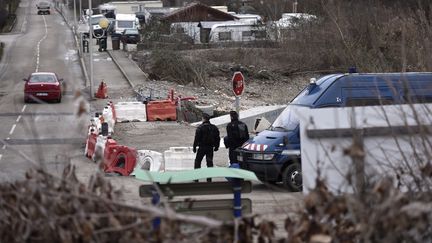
23	114
18	119
4	145
1	155
24	107
38	45
45	141
12	129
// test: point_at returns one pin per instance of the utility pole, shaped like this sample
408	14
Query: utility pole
91	47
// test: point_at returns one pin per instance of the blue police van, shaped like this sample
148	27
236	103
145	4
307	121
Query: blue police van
274	154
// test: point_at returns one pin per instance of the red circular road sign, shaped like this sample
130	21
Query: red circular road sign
238	83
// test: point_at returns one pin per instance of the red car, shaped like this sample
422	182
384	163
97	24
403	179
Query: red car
44	86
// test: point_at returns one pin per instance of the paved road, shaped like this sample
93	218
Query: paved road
38	133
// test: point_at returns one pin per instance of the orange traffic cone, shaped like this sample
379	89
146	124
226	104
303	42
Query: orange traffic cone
102	92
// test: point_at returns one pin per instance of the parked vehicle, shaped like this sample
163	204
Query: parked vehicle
43	8
130	36
97	29
125	21
274	154
44	86
236	31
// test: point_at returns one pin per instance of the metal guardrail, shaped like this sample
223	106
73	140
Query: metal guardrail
221	209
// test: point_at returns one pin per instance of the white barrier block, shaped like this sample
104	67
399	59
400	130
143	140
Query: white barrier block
130	111
99	148
148	160
108	118
180	158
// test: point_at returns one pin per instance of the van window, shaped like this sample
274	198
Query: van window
286	121
125	24
224	36
350	101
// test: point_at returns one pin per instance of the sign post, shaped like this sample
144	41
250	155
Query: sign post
238	88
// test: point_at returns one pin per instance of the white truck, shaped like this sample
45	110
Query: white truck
125	21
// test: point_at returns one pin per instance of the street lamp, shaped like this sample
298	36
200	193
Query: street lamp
103	23
75	17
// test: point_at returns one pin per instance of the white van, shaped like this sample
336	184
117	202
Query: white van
125	21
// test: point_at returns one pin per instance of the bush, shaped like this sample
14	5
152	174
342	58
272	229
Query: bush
171	65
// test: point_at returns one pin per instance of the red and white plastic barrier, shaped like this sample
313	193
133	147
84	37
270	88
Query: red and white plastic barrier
90	145
118	158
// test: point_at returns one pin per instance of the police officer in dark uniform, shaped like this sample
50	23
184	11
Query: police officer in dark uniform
237	134
207	140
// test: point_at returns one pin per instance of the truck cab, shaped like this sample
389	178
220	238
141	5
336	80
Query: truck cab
274	154
43	8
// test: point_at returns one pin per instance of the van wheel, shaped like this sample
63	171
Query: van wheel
292	177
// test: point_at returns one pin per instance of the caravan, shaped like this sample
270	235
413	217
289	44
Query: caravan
125	21
236	31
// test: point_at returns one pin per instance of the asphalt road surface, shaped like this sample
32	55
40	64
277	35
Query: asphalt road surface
52	135
38	134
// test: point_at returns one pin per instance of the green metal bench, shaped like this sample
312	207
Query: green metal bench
178	183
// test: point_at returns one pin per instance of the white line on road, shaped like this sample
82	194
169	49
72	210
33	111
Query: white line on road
12	129
18	119
4	146
1	155
38	45
24	107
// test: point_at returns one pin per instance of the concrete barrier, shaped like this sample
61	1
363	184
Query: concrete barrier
130	111
270	113
179	158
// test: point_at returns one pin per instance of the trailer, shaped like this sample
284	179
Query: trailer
125	21
236	31
131	7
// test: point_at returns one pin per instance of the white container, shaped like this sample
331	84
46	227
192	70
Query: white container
130	111
179	158
149	160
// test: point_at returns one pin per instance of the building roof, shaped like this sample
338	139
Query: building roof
196	12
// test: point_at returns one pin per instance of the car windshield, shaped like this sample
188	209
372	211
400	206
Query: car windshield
43	4
125	24
95	20
286	121
42	78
